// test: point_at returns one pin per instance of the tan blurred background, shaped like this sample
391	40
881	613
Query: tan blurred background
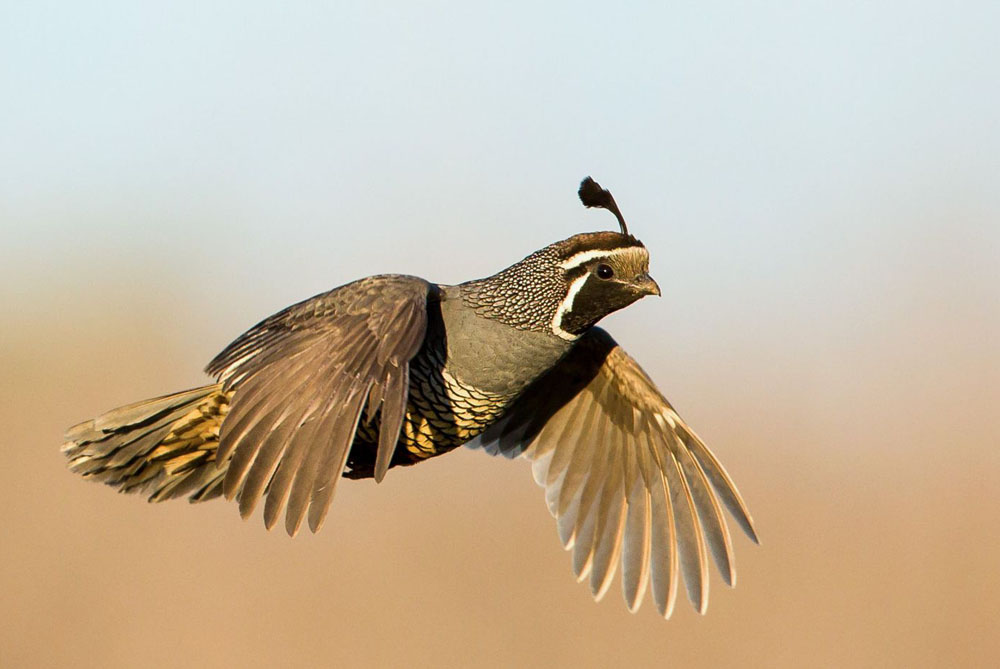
818	189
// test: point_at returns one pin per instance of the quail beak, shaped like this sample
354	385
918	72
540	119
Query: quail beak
645	284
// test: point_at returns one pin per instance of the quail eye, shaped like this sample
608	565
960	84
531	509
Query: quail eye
605	271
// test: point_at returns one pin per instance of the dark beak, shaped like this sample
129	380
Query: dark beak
646	285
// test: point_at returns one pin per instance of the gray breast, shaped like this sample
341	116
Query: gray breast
492	356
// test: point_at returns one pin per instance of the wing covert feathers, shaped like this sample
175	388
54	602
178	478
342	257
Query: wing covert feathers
625	477
301	381
280	423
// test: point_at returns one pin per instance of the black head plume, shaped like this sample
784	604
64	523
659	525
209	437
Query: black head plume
592	195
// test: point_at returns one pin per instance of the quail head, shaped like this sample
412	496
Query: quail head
392	370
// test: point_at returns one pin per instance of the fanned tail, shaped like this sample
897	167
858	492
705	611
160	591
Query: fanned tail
164	446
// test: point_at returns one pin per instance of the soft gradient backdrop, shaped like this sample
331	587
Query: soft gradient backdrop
818	184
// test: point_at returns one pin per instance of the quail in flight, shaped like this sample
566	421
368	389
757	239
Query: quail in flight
392	370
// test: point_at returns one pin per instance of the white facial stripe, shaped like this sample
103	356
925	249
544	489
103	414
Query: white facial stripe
584	257
566	306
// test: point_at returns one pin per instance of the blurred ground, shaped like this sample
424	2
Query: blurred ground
876	505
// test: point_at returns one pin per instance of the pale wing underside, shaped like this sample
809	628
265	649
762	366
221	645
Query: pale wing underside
627	480
302	379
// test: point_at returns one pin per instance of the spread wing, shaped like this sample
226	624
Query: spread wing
625	477
301	380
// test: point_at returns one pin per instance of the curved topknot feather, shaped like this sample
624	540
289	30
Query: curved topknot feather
592	195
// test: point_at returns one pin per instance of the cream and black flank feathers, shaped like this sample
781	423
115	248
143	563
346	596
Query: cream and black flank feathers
392	370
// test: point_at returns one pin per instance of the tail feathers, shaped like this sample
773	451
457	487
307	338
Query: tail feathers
164	446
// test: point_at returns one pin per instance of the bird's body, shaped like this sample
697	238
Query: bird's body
461	383
392	370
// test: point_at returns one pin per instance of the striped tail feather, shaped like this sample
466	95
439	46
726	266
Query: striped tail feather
164	446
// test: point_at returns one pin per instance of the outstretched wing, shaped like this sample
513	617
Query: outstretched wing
301	380
625	477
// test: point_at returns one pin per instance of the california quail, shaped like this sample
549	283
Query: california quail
392	370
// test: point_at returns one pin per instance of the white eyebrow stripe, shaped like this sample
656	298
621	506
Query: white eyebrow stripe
584	257
565	306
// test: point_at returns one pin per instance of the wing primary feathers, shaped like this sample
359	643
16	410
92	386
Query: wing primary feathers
540	468
664	571
566	521
333	446
577	472
690	543
608	531
261	472
284	475
723	484
608	544
375	397
583	540
273	423
590	508
393	412
565	442
253	397
274	446
258	411
333	466
552	497
598	470
714	525
635	546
